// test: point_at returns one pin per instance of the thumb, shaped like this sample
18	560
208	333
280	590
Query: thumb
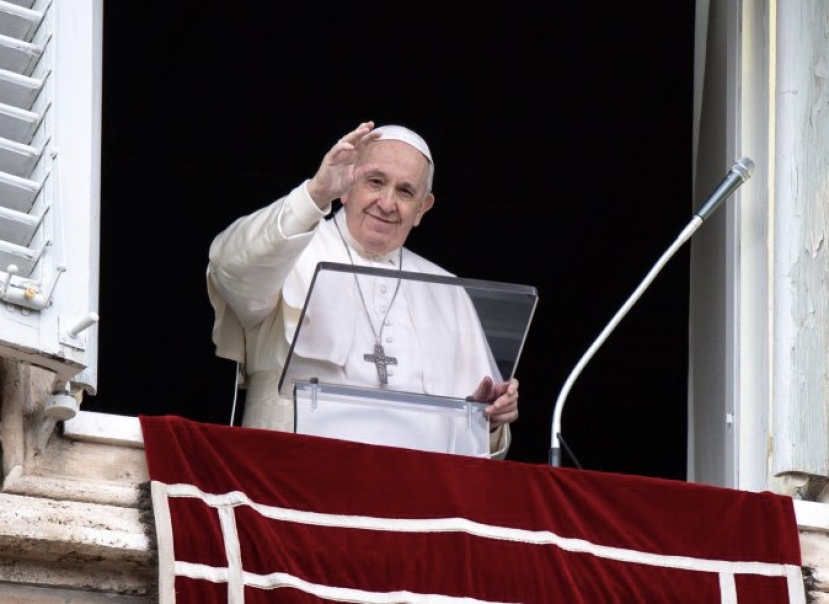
483	391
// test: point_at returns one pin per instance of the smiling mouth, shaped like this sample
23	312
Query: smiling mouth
381	219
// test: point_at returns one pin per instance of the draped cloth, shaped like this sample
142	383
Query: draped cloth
253	516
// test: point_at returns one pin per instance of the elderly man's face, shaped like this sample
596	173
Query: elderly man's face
389	195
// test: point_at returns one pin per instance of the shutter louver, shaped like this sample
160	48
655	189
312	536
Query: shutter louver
50	66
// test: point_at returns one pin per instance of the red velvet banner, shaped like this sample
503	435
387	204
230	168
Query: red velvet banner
246	515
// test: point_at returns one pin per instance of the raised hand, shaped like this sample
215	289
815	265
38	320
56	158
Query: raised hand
335	174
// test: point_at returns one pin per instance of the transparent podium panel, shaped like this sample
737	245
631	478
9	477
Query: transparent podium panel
399	356
394	419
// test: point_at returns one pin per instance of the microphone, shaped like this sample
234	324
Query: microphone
740	172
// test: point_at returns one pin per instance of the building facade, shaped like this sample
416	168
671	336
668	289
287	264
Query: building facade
75	525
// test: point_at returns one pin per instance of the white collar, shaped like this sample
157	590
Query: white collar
387	258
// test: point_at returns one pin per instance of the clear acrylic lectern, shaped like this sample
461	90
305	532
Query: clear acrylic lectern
465	329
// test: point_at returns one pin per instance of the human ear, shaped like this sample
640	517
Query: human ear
425	205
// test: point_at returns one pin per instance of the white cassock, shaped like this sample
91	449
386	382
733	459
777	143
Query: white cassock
259	275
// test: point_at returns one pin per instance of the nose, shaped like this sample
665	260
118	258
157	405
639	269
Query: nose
386	201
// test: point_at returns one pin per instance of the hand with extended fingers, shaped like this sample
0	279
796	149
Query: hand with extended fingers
335	174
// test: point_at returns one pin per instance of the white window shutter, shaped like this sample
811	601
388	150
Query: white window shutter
50	132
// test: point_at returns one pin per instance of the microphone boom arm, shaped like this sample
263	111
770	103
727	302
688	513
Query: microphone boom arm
555	448
740	172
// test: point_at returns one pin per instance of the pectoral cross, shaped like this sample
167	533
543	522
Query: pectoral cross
380	361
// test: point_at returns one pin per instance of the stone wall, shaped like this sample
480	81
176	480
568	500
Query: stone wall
71	514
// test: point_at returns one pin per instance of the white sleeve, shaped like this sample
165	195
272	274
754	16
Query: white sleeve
250	260
299	214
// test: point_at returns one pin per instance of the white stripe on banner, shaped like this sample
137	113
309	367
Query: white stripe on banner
233	551
164	539
728	589
336	594
797	589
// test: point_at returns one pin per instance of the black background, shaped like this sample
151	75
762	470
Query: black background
561	134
